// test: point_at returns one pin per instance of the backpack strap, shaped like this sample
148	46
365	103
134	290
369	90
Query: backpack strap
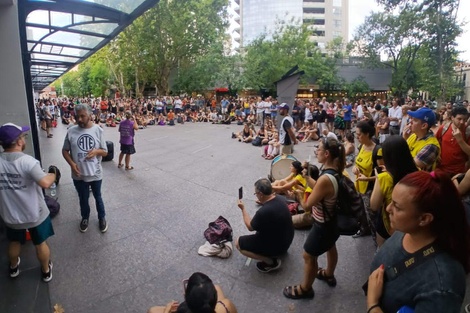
334	178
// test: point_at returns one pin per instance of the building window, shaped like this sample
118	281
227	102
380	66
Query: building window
317	1
314	10
336	34
337	23
319	33
337	3
337	11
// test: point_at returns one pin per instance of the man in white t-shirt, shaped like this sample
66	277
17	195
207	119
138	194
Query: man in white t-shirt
22	204
84	147
259	112
395	114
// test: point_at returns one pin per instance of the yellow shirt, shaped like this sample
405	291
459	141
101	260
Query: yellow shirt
302	181
417	145
386	187
364	163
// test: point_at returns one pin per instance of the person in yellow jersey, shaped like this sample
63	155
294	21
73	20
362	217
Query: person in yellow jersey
291	182
368	158
424	147
398	163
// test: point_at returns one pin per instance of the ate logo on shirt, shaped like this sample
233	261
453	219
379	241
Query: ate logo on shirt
86	142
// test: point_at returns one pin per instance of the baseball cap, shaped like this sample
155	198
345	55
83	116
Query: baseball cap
284	106
424	114
9	132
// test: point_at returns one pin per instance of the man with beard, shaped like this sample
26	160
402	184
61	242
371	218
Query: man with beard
454	138
286	130
84	147
22	205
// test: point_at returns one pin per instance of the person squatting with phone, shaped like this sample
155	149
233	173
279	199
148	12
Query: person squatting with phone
273	226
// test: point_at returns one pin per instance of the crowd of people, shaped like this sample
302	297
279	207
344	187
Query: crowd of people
411	169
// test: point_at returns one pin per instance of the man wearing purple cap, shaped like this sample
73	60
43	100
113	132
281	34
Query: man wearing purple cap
286	130
22	205
424	147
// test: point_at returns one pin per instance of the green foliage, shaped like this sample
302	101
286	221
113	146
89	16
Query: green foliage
266	59
356	86
418	39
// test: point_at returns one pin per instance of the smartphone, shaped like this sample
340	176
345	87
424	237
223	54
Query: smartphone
240	193
185	285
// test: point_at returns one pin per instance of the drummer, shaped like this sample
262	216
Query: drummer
294	181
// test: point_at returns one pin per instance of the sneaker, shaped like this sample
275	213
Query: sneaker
14	272
47	277
103	225
266	268
84	225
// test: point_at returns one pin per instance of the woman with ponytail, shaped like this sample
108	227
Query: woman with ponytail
423	265
201	296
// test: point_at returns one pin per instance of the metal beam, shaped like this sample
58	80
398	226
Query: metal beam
60	45
67	29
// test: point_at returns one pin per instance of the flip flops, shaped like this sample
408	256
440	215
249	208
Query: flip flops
129	168
120	165
296	292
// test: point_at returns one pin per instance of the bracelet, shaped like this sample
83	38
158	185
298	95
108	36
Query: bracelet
373	307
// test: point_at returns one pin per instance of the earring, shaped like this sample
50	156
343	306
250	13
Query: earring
421	224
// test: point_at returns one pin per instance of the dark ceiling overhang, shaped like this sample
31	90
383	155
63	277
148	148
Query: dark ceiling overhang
60	34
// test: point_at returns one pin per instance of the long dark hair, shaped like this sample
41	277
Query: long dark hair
397	158
200	296
435	193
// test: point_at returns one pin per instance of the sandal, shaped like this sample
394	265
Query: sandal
296	292
330	280
128	168
120	165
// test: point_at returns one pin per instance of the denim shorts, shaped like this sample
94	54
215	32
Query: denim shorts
39	234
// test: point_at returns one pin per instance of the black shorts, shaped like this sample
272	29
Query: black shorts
255	244
39	234
322	237
380	226
347	124
127	149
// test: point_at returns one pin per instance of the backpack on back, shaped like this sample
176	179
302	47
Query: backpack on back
350	207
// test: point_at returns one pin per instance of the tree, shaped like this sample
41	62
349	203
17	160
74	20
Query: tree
357	86
406	29
269	57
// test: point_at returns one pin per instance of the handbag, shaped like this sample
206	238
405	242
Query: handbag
219	231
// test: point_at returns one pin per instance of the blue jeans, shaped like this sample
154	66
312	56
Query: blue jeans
83	189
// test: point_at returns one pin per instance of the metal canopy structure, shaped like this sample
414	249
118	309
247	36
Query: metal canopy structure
62	33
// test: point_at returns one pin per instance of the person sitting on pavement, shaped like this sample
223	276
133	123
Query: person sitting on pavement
273	148
201	296
291	182
246	134
263	134
273	226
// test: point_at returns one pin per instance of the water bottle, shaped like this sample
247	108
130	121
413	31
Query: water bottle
53	190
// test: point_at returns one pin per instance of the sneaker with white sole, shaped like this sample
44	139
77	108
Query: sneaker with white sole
266	268
14	272
47	277
84	225
103	225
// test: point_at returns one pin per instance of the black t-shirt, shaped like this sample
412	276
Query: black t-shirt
273	224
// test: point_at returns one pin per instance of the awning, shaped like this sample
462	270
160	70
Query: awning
62	33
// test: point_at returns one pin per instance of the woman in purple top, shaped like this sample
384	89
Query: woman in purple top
127	129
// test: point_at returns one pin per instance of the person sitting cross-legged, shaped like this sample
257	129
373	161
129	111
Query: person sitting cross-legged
273	226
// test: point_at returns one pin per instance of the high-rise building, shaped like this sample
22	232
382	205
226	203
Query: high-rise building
328	19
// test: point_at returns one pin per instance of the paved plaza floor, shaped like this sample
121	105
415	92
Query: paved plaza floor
185	177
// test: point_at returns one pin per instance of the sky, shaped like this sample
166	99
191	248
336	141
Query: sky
359	9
